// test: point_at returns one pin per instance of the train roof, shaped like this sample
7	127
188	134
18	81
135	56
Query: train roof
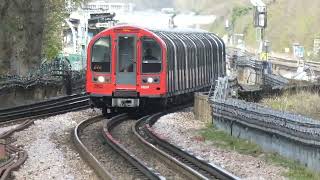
171	30
178	30
169	36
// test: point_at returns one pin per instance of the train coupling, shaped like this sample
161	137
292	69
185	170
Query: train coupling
125	102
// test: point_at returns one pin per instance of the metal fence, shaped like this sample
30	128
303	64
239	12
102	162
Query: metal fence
290	125
248	61
56	72
274	80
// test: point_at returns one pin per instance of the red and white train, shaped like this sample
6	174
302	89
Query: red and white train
129	66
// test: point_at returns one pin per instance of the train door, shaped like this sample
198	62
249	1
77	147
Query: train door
126	61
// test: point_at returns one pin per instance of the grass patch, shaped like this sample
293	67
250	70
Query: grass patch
296	171
304	103
225	141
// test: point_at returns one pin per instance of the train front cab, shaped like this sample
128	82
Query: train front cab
126	68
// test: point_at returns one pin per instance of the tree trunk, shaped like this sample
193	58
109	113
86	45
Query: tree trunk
21	35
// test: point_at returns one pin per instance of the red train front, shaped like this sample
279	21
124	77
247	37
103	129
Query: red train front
124	65
130	67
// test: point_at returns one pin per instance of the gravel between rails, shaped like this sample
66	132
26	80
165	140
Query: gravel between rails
123	133
51	154
181	129
117	166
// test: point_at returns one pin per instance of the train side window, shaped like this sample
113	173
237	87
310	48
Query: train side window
101	55
151	56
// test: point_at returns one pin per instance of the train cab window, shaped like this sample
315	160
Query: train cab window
101	56
151	56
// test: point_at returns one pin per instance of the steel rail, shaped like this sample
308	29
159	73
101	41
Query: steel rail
78	103
37	104
184	162
36	107
16	158
144	171
46	109
93	162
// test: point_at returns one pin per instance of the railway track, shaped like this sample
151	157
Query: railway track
98	164
25	115
43	109
177	160
142	170
85	152
182	161
15	155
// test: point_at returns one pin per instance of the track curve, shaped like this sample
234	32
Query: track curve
44	109
85	153
144	171
175	157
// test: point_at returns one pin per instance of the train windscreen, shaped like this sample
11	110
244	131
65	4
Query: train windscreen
151	60
101	55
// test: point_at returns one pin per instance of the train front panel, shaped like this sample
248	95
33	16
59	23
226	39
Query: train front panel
125	66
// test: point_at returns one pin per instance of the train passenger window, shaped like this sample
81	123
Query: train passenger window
151	56
101	56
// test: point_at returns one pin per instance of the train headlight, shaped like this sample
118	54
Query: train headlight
101	79
150	80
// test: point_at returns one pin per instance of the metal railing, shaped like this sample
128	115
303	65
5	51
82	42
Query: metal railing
268	79
274	80
53	72
289	125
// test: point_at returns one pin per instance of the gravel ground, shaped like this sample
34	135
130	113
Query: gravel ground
51	154
123	133
182	129
117	166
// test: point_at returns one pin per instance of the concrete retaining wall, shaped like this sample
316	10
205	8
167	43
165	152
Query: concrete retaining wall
202	108
20	96
308	155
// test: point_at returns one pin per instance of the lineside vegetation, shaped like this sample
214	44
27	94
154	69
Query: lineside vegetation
304	103
225	141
